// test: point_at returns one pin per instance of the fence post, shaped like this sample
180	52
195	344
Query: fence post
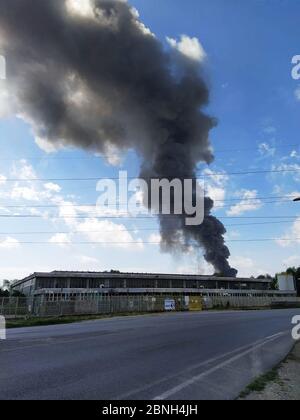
16	308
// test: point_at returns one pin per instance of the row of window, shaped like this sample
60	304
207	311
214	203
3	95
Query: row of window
88	296
82	283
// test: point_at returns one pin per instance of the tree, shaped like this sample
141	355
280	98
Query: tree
6	290
17	294
274	284
264	277
4	293
6	285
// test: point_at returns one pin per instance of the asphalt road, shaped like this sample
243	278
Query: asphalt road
164	357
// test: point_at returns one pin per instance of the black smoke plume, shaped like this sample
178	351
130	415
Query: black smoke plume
101	81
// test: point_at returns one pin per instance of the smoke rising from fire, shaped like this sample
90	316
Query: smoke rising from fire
89	74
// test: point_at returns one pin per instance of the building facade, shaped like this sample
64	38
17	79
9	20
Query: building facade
59	285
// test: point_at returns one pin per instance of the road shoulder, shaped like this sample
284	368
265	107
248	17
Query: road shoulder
280	384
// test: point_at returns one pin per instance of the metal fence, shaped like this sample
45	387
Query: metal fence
105	305
15	307
39	307
18	307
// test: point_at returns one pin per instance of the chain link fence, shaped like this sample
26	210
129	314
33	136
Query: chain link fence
22	307
106	305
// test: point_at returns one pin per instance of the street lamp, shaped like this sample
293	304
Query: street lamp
296	199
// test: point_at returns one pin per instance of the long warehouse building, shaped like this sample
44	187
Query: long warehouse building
61	285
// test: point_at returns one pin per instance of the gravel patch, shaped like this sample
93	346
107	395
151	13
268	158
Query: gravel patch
286	384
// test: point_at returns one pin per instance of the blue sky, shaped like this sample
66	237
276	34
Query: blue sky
249	47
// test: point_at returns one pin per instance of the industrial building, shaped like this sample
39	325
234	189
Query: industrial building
61	285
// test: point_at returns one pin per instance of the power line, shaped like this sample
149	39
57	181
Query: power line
137	230
248	149
243	204
288	197
140	242
241	201
207	175
124	153
126	216
91	215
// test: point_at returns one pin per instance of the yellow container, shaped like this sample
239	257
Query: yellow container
196	303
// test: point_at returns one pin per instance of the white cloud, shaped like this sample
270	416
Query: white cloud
32	190
2	179
215	186
108	233
82	8
67	211
292	261
9	243
88	261
141	26
297	93
220	178
266	150
7	105
24	193
246	266
113	155
61	239
47	146
233	234
189	47
4	210
292	169
155	238
23	170
249	202
294	154
292	235
217	194
52	187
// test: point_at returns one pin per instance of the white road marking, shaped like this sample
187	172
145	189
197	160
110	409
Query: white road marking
191	368
197	378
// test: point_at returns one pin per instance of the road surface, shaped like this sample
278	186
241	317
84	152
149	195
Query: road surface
182	356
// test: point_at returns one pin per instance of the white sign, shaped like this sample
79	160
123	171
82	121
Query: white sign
2	328
170	305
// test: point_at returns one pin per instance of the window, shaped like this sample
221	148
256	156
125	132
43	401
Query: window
116	283
96	283
140	283
163	284
78	283
178	284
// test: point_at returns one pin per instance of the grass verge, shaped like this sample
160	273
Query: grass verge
36	322
260	384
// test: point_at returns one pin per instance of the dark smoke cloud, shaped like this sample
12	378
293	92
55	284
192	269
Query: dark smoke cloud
105	82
